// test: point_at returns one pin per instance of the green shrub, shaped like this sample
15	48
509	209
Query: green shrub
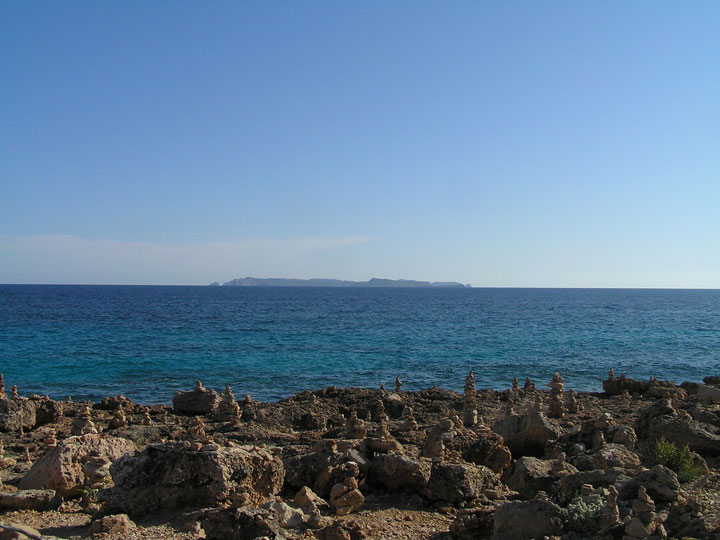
677	459
583	515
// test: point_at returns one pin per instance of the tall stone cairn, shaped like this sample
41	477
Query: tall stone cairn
470	415
557	406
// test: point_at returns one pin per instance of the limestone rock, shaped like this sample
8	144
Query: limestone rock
30	499
474	523
526	435
528	475
615	455
245	523
660	482
17	413
525	520
117	524
397	471
457	482
198	401
73	463
176	476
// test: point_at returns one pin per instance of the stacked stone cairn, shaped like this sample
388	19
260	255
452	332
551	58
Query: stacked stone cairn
609	515
436	438
196	431
643	522
398	384
557	406
382	420
571	402
14	392
119	419
529	386
146	420
83	424
345	496
470	415
515	384
3	395
50	441
410	424
355	427
228	410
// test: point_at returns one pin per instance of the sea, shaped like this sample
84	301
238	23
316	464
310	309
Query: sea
148	342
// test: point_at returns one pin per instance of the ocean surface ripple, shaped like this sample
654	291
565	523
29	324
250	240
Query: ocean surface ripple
148	342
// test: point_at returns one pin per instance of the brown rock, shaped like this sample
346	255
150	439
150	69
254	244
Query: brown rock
71	465
115	524
175	476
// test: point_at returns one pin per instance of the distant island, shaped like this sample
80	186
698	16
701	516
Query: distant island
374	282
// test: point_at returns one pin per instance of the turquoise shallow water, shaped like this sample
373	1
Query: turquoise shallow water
148	342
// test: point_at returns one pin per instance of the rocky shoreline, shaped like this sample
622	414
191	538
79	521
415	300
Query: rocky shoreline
640	459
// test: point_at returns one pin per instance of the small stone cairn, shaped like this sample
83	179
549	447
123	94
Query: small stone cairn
146	420
470	415
119	419
643	522
83	424
410	424
571	402
436	438
382	419
355	427
3	395
228	410
609	515
50	441
515	384
529	386
196	431
557	407
398	384
345	496
14	392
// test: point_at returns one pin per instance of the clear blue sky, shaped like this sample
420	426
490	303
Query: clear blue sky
494	143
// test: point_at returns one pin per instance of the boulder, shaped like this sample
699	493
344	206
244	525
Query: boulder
482	447
474	523
528	434
16	414
683	430
117	524
396	471
457	482
624	435
525	520
597	478
313	469
307	498
287	516
615	455
172	476
198	401
245	523
75	463
30	499
708	393
528	475
661	483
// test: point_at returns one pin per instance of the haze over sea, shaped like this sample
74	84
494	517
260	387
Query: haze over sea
149	341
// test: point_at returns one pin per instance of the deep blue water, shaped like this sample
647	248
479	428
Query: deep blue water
148	342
